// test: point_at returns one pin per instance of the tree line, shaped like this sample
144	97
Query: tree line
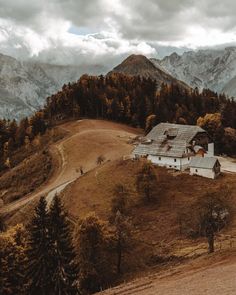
14	135
128	99
134	100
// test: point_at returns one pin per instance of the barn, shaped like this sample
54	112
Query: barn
173	145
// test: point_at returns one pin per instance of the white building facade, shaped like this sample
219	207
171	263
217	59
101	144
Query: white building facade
206	167
172	145
170	162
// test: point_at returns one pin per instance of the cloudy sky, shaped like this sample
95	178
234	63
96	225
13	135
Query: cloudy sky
79	31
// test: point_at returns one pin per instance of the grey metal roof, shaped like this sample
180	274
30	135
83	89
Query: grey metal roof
168	149
182	132
170	140
203	162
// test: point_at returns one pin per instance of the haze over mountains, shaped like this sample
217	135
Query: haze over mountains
24	86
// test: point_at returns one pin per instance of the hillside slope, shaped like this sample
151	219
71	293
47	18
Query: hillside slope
214	275
86	140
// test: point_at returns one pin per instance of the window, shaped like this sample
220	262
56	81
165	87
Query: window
196	170
188	158
159	158
175	160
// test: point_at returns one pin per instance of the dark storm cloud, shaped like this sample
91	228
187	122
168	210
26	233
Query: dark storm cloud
158	20
164	20
94	29
34	14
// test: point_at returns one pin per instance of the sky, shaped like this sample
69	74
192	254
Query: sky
105	31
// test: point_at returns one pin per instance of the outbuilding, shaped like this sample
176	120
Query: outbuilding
205	166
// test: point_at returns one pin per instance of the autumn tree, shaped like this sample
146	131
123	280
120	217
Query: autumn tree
90	239
146	182
12	261
212	123
213	211
122	238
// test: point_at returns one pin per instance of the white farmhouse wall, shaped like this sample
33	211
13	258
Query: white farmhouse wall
209	173
170	162
185	162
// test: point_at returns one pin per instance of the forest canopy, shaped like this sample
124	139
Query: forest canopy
132	100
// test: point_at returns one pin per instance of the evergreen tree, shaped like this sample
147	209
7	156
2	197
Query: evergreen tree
64	267
39	254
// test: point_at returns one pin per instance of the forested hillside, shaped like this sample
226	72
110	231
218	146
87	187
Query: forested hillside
136	101
127	99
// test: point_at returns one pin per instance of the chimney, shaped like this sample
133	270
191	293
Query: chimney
211	152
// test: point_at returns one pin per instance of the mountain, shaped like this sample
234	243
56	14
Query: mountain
213	69
24	86
139	65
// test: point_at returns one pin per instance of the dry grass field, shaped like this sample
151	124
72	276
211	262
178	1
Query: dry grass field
86	140
156	236
206	275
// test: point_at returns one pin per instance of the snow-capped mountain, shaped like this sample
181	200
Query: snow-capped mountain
213	69
24	86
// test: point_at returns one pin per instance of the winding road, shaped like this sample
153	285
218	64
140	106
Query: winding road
86	140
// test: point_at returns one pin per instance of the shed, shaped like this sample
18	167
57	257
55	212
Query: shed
207	167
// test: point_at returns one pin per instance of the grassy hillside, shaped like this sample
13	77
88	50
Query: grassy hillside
25	177
156	227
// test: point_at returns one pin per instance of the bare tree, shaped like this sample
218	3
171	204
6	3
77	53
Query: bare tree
100	159
214	213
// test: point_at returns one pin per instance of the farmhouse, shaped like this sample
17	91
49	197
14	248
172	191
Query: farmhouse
173	145
207	167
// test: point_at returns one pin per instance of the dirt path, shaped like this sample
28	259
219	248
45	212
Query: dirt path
217	278
87	140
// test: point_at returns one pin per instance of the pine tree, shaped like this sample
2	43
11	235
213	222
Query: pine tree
64	267
39	254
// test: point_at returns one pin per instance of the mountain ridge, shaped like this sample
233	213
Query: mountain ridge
140	65
213	69
25	85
